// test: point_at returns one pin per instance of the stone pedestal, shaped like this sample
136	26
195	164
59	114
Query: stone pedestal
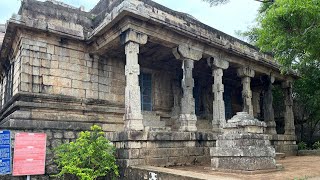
243	146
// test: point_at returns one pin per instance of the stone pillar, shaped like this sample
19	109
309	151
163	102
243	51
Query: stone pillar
219	119
288	114
133	119
246	74
268	112
187	117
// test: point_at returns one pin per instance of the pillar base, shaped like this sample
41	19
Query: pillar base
289	132
188	122
217	128
133	125
271	127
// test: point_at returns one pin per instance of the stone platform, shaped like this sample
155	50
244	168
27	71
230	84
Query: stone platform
243	146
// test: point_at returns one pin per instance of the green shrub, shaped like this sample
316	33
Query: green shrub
302	145
316	145
89	157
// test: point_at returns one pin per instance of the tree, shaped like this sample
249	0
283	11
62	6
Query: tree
217	2
290	29
307	101
89	157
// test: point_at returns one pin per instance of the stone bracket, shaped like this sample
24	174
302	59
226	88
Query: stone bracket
218	63
245	72
133	36
186	52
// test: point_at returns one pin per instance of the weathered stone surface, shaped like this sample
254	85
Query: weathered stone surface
133	116
218	65
243	163
243	146
288	114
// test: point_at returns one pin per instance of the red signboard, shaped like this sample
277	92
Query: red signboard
29	154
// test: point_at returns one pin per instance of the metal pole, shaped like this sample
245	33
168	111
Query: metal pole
28	177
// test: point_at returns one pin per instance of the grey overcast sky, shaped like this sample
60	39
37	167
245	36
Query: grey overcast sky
236	15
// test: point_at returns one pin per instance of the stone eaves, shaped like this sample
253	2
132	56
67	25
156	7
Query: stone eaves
88	25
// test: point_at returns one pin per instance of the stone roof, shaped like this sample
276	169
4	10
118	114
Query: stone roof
86	26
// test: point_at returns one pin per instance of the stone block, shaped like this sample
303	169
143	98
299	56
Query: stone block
69	135
247	151
158	152
58	135
243	163
133	145
162	162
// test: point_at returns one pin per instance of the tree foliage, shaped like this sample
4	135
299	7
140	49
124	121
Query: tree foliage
218	2
290	29
89	157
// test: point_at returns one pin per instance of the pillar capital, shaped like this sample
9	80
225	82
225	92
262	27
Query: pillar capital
286	84
245	72
131	35
186	52
218	63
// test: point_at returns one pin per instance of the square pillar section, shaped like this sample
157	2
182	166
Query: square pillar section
219	119
133	119
246	74
268	112
288	114
187	117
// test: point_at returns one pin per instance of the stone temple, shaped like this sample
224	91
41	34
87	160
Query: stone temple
161	84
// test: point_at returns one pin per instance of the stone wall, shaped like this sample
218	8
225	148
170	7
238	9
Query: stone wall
162	148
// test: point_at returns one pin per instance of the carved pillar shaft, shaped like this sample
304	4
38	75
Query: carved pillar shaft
247	95
268	107
219	119
133	116
288	114
246	74
187	85
187	117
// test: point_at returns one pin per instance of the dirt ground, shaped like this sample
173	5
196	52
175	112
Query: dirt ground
295	168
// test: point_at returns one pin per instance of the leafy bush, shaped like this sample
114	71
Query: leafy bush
316	145
89	157
302	145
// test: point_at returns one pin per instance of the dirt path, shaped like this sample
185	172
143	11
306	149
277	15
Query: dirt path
295	168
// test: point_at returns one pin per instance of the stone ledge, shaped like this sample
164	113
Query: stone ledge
161	136
282	137
243	163
309	153
247	151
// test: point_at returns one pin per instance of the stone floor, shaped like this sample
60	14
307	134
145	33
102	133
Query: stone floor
295	167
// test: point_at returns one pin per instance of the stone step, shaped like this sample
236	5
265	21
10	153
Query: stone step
280	156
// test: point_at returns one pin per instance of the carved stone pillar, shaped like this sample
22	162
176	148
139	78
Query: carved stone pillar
246	74
268	112
288	114
133	119
219	119
187	117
